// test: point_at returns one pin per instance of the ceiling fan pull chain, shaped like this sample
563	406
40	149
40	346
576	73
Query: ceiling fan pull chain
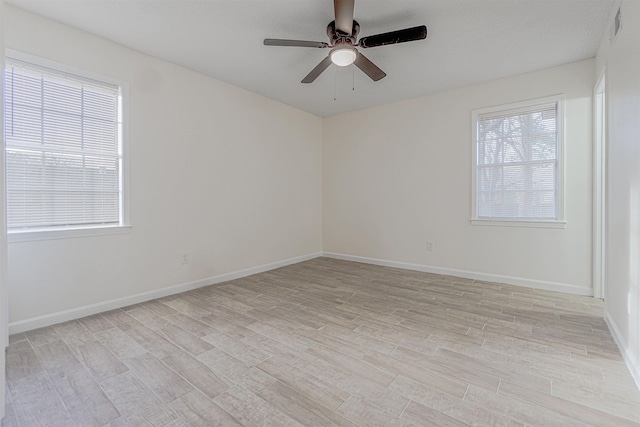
353	78
334	82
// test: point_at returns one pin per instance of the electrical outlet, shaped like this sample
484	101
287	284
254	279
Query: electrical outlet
430	246
184	259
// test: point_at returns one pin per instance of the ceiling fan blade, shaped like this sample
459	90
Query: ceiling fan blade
313	75
294	43
369	68
344	15
393	37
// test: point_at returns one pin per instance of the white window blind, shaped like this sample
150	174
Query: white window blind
517	157
63	149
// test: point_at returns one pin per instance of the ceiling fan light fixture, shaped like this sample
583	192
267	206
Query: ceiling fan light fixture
343	56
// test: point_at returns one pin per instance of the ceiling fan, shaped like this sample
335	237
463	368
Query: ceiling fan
343	33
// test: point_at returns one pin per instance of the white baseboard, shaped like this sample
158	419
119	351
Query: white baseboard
518	281
632	364
88	310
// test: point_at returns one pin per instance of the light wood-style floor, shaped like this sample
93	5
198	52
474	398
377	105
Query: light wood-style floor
328	342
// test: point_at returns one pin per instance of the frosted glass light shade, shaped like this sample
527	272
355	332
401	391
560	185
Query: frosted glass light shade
344	56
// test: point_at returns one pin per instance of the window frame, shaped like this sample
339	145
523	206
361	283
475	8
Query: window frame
559	222
63	232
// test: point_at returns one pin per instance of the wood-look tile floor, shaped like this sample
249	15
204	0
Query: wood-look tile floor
328	342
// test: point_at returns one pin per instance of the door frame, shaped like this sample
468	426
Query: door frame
599	184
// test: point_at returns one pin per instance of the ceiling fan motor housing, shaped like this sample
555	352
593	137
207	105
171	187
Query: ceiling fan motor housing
338	37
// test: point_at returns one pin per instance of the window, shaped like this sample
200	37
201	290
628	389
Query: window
64	150
518	163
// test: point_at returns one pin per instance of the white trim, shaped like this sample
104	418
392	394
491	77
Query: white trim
88	310
62	67
125	188
520	223
4	306
599	184
632	364
558	99
517	281
66	233
125	209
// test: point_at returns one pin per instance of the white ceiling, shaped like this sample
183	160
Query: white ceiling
469	41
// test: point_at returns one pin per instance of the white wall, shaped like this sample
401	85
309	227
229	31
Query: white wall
398	175
622	281
228	176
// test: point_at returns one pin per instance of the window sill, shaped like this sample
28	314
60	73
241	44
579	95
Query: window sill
66	233
519	223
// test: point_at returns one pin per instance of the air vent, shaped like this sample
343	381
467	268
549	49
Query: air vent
616	27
